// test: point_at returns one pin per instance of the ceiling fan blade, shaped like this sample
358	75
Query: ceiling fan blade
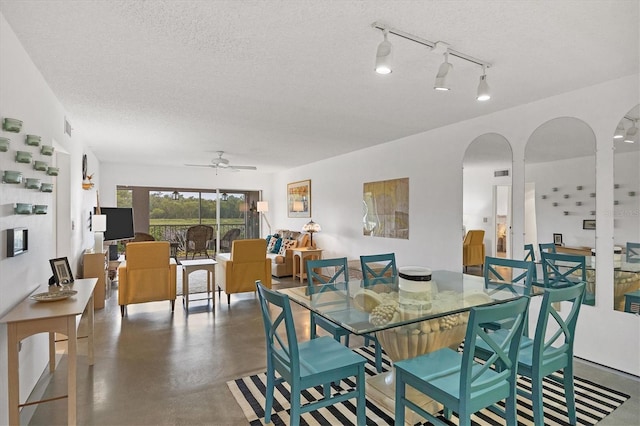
201	165
243	167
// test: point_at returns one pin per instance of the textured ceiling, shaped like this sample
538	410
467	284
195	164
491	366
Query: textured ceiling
283	83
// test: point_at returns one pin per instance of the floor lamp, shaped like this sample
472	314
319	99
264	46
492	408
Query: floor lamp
263	207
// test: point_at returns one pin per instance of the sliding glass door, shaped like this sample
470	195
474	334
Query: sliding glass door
167	213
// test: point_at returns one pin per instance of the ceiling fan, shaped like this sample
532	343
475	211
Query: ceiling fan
222	163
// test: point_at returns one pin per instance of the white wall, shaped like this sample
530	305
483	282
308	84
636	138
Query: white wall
566	176
25	95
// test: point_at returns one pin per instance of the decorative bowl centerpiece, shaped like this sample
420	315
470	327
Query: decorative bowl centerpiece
32	183
46	187
53	171
40	165
4	144
46	150
23	157
11	125
23	208
32	140
12	176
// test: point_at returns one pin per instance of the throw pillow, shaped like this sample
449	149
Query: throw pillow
276	248
272	244
286	244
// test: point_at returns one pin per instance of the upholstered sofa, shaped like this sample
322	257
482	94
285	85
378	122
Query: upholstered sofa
282	261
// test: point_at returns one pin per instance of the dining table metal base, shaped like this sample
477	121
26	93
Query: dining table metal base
381	389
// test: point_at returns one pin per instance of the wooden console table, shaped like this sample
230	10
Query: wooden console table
30	317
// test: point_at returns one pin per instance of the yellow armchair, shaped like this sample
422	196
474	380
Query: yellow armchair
238	271
147	275
473	248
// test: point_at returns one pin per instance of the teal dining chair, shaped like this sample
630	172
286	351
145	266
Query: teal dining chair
541	356
511	275
530	256
377	269
564	270
633	253
303	365
458	381
529	253
547	248
318	284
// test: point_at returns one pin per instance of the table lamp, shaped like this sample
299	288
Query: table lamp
311	227
98	226
263	207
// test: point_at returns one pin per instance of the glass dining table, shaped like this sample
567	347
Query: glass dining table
408	319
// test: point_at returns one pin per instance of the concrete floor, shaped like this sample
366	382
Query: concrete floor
157	368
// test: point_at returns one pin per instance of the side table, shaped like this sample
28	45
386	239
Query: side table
189	266
299	256
29	318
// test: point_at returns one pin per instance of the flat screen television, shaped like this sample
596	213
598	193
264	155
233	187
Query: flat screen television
119	223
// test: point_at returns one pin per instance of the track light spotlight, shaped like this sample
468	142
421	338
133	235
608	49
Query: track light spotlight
441	78
632	134
384	56
484	94
619	134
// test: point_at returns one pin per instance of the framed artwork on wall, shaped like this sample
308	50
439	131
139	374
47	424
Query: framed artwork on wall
299	198
589	224
385	208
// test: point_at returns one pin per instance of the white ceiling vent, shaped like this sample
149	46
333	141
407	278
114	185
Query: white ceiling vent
67	127
500	173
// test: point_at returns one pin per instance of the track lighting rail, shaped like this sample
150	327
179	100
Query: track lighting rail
430	44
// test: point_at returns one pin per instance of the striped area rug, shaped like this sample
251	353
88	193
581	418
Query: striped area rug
593	402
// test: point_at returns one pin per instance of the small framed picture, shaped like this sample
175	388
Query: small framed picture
557	239
61	271
589	224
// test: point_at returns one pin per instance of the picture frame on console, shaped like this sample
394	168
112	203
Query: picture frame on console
61	270
299	198
557	239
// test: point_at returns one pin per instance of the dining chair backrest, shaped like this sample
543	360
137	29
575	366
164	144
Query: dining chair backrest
505	350
547	248
633	253
562	270
317	282
508	274
378	268
280	332
515	276
555	351
529	253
